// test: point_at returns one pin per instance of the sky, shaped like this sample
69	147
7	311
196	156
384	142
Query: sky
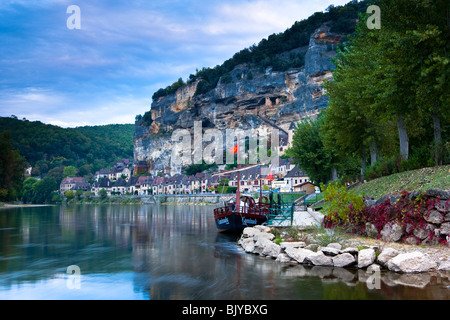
106	69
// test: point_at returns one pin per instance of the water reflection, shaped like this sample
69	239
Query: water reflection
165	252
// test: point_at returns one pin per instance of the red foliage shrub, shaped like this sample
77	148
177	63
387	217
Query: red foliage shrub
405	209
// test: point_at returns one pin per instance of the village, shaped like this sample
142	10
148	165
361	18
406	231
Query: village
132	178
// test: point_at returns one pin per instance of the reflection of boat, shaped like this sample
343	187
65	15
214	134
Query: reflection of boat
243	212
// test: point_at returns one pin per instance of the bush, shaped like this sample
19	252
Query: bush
339	202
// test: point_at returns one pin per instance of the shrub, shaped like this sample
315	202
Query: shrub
339	202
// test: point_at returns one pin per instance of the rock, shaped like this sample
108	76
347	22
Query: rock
444	266
250	232
261	244
422	233
299	244
391	232
434	216
262	228
335	245
371	231
351	250
298	254
330	251
248	244
411	262
366	257
386	255
442	206
312	246
443	195
265	235
319	259
447	217
445	228
343	260
271	250
283	258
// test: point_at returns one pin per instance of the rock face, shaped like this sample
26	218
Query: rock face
264	101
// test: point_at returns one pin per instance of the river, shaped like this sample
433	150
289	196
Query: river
142	252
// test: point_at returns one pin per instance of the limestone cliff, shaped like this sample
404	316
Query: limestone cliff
254	99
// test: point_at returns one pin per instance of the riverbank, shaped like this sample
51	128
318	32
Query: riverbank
13	205
329	248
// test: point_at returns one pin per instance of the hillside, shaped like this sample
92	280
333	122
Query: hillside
46	147
414	180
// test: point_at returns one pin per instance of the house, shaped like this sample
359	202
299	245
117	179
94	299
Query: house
103	183
140	167
119	186
280	166
295	177
250	178
102	173
74	183
306	187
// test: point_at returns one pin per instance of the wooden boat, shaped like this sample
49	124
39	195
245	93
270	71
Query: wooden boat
249	213
243	212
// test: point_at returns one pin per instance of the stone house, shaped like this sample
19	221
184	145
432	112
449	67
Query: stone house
74	183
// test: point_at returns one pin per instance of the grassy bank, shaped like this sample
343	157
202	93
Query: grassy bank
414	180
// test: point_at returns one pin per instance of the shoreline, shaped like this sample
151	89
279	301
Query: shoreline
10	205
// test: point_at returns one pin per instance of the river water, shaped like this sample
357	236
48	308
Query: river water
143	252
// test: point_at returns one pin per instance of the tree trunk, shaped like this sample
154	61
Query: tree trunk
437	139
403	136
363	163
333	174
373	152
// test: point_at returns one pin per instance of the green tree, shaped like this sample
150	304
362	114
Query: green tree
69	171
69	194
12	167
309	152
44	189
28	188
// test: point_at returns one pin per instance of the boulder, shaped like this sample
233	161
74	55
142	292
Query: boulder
319	259
391	232
434	216
343	260
445	228
250	232
335	245
298	244
298	254
423	232
386	255
443	195
329	251
411	262
366	257
283	258
261	244
265	235
271	249
351	250
247	244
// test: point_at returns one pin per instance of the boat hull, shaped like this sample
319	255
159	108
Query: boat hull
236	223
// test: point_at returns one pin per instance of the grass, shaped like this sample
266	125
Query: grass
415	180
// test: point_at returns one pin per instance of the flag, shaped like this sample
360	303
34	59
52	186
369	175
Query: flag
234	149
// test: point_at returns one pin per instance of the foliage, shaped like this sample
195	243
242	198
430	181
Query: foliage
70	195
339	202
405	210
12	167
69	171
393	80
48	149
309	151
